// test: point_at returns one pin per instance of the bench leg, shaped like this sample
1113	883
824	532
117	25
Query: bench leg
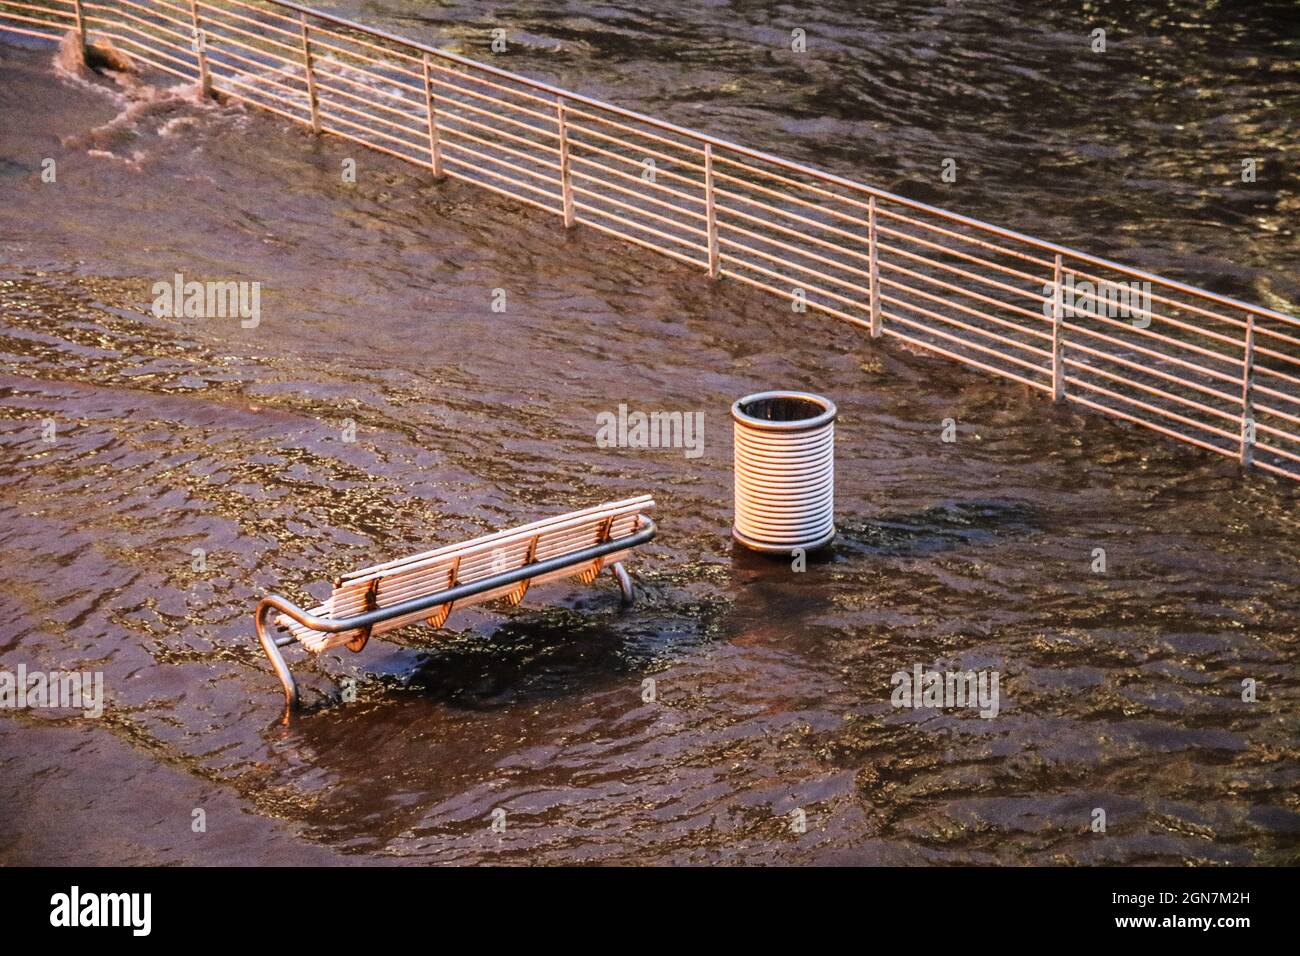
624	581
276	659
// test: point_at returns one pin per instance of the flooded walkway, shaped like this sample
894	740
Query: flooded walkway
1119	690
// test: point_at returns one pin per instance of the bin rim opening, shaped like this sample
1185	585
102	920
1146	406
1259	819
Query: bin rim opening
783	411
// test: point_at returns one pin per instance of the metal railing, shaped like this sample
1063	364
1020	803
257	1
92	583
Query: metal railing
1191	364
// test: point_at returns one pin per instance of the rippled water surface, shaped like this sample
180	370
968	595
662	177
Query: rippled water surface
1120	690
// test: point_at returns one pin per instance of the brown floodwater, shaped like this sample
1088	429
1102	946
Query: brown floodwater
1119	690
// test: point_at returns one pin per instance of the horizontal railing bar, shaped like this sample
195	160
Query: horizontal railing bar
1273	353
184	33
825	227
965	274
1027	330
1040	281
470	151
1270	410
1151	390
786	197
469	77
1153	409
786	247
388	52
217	75
394	81
216	31
1274	393
645	150
864	207
132	18
1133	346
1276	374
1261	426
574	111
508	150
698	216
490	187
145	51
334	117
1282	376
677	177
323	88
775	275
786	230
1273	468
686	197
264	24
217	57
461	91
644	228
318	75
643	243
962	237
787	294
211	11
20	18
1177	304
1274	450
1159	317
966	343
301	121
264	70
1154	426
639	211
1076	346
70	13
1071	313
446	112
972	294
889	330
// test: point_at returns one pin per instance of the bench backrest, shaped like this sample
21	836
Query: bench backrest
384	585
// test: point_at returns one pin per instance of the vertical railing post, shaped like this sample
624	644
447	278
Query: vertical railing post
873	268
710	212
313	101
81	24
1248	395
566	181
200	45
435	148
1058	332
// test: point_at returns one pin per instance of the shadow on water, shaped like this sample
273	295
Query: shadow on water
534	656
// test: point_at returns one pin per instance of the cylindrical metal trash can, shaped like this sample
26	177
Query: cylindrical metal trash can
785	471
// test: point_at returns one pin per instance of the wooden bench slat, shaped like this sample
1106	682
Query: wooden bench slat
640	502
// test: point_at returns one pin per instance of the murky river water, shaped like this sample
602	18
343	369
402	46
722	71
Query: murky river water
1119	690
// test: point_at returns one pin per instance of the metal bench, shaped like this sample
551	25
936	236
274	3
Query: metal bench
429	586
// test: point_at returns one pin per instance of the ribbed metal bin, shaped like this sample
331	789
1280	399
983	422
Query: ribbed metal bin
784	470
